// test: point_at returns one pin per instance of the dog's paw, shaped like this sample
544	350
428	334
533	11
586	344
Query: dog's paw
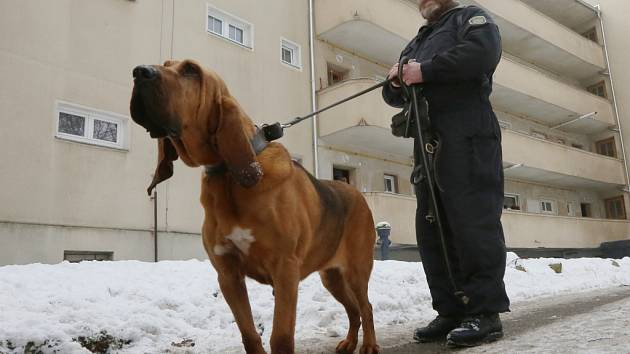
370	349
346	346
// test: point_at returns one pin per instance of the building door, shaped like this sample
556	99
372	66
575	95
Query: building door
615	208
586	210
606	147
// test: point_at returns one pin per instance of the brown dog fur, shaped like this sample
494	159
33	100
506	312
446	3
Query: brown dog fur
277	226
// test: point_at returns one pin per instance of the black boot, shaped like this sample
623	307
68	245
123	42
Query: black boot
476	330
436	329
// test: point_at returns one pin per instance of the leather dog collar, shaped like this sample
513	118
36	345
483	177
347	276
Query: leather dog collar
259	142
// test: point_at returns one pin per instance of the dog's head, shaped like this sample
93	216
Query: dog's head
192	114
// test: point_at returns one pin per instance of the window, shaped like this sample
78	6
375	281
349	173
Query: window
236	34
598	89
90	126
585	208
336	74
391	183
215	25
290	53
511	202
341	174
606	147
591	34
546	207
78	256
615	208
230	27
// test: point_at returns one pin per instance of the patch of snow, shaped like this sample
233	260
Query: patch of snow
157	306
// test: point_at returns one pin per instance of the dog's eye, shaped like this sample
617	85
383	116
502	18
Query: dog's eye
190	69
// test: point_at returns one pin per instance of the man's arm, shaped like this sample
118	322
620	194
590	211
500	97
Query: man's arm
476	54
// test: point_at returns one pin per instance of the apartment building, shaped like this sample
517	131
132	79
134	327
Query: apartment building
566	175
75	168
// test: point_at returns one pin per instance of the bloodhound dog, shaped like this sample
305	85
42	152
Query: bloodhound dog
265	216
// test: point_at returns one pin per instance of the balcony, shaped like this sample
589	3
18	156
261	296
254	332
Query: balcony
538	39
571	13
528	92
524	230
398	210
375	29
541	161
362	124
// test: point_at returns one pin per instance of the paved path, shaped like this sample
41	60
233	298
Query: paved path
593	322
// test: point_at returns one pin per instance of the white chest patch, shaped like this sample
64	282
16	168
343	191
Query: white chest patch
241	238
221	250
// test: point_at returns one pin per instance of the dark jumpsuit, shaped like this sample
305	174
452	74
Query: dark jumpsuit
459	53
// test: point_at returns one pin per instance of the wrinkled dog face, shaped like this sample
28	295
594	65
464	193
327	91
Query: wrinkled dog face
163	96
192	114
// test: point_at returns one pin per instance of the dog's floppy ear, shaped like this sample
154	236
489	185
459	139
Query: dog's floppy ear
164	170
233	144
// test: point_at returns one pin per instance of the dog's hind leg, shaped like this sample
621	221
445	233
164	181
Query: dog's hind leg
335	283
359	285
234	290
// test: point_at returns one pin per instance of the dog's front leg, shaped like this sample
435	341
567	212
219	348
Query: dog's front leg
232	283
286	278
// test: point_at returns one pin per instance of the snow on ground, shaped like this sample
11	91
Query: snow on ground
157	307
606	330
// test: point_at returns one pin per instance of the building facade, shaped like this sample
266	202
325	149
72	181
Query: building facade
75	168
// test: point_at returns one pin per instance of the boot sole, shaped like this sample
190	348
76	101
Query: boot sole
491	337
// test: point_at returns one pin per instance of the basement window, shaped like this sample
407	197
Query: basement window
79	256
91	126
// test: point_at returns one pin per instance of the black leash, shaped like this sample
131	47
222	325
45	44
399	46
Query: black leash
411	93
276	131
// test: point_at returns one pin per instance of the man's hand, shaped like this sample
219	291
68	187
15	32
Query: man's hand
412	73
393	76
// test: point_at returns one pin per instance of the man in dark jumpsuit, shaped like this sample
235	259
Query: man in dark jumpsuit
453	59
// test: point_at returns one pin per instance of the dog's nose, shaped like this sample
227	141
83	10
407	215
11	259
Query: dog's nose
144	72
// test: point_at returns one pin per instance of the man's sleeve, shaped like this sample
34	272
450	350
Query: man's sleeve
478	52
393	96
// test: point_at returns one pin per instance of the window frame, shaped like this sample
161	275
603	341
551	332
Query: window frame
601	143
100	256
592	89
227	20
394	182
607	206
551	203
296	53
517	198
90	115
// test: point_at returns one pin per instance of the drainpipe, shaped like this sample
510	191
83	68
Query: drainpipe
614	97
311	34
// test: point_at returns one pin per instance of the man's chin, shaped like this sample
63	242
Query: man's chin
430	10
